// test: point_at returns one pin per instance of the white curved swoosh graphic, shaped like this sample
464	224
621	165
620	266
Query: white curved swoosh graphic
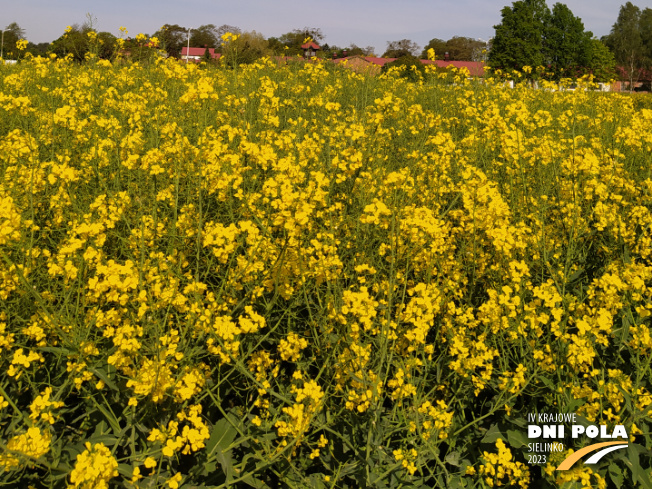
595	458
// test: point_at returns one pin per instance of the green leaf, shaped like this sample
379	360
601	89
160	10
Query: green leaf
108	440
217	447
520	422
251	481
317	481
547	382
615	474
572	406
456	482
631	460
103	376
226	462
492	435
453	459
517	439
55	349
125	470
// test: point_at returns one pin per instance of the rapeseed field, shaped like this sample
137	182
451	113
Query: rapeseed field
302	276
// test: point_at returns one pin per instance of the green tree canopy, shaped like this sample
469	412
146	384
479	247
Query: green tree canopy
530	34
439	45
398	49
459	48
519	39
566	43
79	41
630	40
601	63
464	49
410	67
204	36
247	48
172	37
645	28
74	41
290	42
12	34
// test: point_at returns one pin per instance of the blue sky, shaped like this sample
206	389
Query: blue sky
363	22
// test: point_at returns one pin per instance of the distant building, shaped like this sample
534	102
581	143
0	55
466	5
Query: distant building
196	54
310	49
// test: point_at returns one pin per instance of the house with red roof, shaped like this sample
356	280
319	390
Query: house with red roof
310	49
196	54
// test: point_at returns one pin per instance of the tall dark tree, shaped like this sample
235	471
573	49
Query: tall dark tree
626	41
247	48
290	42
463	48
224	28
73	42
645	27
519	39
601	62
404	47
172	38
439	45
40	49
220	31
12	34
204	36
566	43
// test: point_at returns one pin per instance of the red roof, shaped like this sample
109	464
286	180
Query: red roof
379	61
199	52
309	45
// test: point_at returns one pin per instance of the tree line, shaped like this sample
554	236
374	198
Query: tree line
531	38
532	35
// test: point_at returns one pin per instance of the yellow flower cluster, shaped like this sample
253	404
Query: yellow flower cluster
25	449
94	468
500	469
190	438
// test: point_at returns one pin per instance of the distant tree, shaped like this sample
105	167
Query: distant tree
463	48
79	41
205	35
172	37
645	27
107	45
206	57
439	45
352	50
519	39
532	35
74	41
290	42
601	62
40	49
411	67
224	28
247	48
566	43
398	49
12	34
355	50
626	42
220	31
